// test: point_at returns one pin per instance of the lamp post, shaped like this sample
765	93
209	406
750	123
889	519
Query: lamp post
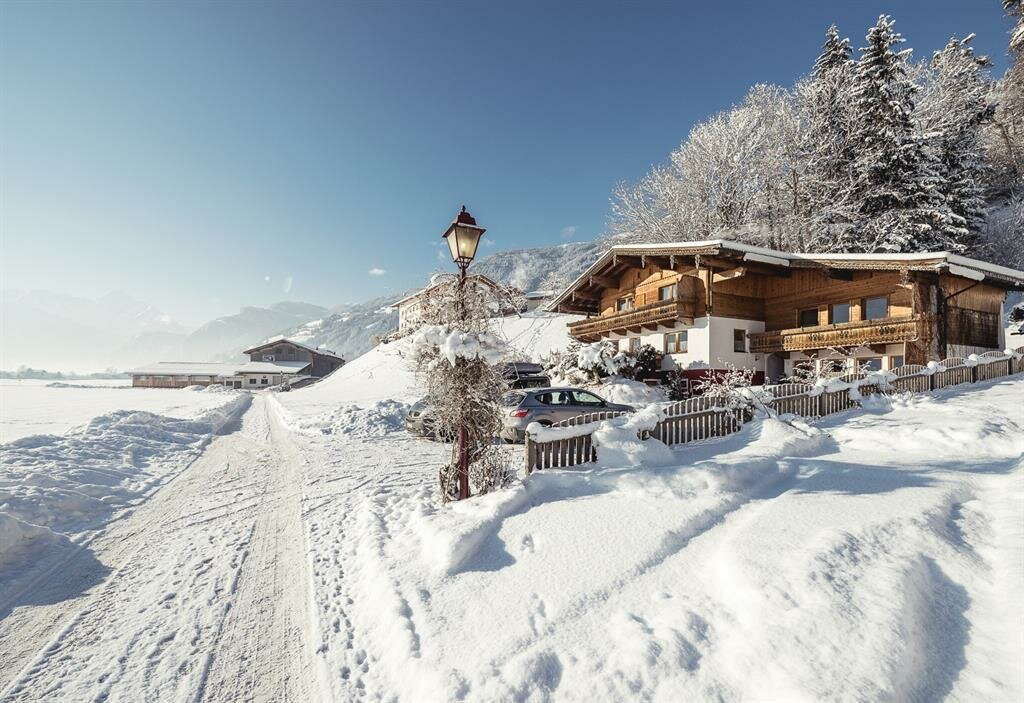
463	237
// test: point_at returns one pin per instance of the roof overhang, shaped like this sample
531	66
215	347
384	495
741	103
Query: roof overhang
583	294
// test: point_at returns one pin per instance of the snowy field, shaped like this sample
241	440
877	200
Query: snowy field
29	407
299	553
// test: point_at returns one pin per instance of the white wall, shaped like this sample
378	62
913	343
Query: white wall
709	344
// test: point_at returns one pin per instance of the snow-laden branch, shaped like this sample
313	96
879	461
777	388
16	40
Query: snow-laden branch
455	344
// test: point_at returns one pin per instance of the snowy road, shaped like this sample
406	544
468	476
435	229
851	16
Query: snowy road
201	594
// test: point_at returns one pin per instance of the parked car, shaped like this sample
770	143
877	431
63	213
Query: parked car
548	406
525	375
420	421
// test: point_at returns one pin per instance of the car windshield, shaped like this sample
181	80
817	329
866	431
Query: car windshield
512	399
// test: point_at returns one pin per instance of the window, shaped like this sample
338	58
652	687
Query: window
667	292
675	342
587	399
832	366
263	381
623	304
876	308
634	344
809	317
739	341
268	357
869	365
554	398
838	313
252	381
895	361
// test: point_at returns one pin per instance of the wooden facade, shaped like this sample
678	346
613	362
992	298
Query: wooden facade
930	305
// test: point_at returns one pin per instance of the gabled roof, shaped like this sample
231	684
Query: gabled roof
434	283
285	367
280	338
623	256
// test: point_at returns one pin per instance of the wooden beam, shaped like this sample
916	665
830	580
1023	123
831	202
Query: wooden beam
731	273
631	261
605	281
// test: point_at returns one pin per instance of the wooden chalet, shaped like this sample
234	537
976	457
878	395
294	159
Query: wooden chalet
706	303
271	363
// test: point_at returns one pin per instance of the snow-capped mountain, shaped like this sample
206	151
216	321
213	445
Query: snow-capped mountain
225	338
54	331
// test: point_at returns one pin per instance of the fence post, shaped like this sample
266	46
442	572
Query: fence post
819	404
931	380
531	454
974	373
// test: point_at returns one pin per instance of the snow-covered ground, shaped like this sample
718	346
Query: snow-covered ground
56	490
30	407
877	555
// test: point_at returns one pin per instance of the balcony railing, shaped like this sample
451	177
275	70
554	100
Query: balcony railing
663	312
846	334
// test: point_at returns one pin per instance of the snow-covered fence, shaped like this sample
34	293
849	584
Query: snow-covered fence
569	442
679	429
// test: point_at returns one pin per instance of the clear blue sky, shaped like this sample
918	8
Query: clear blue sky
187	152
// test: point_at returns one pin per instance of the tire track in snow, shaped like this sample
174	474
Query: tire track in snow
216	610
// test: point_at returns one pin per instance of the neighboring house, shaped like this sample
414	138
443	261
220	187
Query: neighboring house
706	303
410	308
270	364
535	299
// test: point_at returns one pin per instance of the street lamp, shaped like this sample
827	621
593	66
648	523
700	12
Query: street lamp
463	237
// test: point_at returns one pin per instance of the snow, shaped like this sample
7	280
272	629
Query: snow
456	344
875	555
789	561
30	407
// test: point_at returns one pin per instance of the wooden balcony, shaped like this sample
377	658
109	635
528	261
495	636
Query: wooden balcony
847	334
646	318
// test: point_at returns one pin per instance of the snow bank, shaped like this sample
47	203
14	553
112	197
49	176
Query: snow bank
372	419
19	539
616	389
77	481
618	444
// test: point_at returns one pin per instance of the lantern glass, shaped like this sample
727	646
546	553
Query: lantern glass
463	241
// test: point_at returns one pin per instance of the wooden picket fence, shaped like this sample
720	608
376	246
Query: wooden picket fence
701	418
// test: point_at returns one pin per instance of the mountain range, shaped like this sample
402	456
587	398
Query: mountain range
59	332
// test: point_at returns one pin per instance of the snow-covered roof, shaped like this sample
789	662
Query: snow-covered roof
930	260
185	368
285	367
281	338
435	281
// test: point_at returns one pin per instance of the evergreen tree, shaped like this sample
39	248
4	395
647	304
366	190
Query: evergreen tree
953	111
827	135
899	206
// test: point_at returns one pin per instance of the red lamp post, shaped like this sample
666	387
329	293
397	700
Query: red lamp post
463	237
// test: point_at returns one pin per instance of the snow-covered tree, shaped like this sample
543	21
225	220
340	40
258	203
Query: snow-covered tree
457	357
1006	140
825	100
899	206
953	109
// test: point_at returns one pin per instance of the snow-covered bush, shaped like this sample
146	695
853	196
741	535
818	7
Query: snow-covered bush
457	362
601	359
678	385
644	363
564	366
731	389
818	371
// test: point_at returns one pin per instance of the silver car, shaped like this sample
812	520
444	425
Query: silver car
548	406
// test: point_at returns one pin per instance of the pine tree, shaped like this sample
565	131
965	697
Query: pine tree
895	190
953	111
827	134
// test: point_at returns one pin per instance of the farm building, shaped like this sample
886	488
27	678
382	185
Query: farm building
270	363
705	304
